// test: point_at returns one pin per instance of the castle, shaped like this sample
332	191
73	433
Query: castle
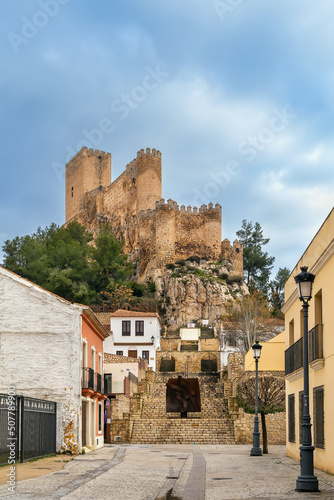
154	232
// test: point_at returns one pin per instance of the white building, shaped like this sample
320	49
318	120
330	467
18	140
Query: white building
42	356
134	334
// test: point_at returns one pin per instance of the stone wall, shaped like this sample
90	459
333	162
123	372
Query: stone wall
153	231
243	422
190	358
86	171
275	423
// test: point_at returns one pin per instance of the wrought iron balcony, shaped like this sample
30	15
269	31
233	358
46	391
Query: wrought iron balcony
294	357
98	383
315	343
88	378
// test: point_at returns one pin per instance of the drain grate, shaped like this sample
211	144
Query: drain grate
221	478
172	477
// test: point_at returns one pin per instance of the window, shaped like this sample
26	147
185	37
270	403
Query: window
139	327
318	308
72	189
84	354
291	418
107	383
126	327
291	332
119	353
92	358
318	417
99	367
145	355
301	413
100	416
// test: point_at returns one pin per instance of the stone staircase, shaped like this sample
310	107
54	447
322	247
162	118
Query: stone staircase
212	425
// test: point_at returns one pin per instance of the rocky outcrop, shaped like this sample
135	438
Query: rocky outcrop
190	291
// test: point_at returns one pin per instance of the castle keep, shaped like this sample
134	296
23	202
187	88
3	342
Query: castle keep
155	232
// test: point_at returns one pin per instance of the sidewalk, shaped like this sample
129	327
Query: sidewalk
171	472
35	468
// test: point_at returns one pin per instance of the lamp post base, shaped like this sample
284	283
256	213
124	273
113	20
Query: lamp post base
307	483
256	452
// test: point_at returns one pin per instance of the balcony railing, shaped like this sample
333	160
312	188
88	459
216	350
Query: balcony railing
88	378
294	357
315	343
99	383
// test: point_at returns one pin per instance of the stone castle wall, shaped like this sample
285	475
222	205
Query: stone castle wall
155	232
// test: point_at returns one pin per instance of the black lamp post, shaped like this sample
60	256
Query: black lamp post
256	450
307	480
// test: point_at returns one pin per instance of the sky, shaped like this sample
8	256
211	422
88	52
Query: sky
237	95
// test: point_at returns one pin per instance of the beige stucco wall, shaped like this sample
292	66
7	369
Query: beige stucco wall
272	355
319	257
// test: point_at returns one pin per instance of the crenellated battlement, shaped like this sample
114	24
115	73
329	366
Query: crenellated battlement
87	152
149	152
155	231
233	253
188	210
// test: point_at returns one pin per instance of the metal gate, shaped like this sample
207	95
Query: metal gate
28	428
9	428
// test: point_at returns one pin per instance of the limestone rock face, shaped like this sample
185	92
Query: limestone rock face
194	291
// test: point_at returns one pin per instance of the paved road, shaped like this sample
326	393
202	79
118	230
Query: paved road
173	472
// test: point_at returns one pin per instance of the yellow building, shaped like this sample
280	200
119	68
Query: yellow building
319	258
272	355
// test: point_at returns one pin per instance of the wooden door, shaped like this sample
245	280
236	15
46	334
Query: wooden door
132	354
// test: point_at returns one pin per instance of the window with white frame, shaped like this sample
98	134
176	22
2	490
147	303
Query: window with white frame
92	358
100	416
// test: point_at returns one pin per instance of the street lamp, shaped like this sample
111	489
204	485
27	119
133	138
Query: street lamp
307	481
256	450
152	339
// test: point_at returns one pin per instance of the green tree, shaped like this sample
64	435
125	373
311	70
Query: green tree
276	289
271	397
64	260
109	263
257	263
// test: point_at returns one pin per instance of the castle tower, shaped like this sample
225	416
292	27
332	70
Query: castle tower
89	169
148	178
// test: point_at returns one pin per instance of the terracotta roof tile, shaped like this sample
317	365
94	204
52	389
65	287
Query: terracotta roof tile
123	313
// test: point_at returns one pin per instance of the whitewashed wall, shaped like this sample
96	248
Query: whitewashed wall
40	350
151	328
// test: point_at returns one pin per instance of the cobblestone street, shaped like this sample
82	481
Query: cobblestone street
174	472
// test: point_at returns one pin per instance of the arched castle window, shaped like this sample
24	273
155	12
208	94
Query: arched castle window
72	190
